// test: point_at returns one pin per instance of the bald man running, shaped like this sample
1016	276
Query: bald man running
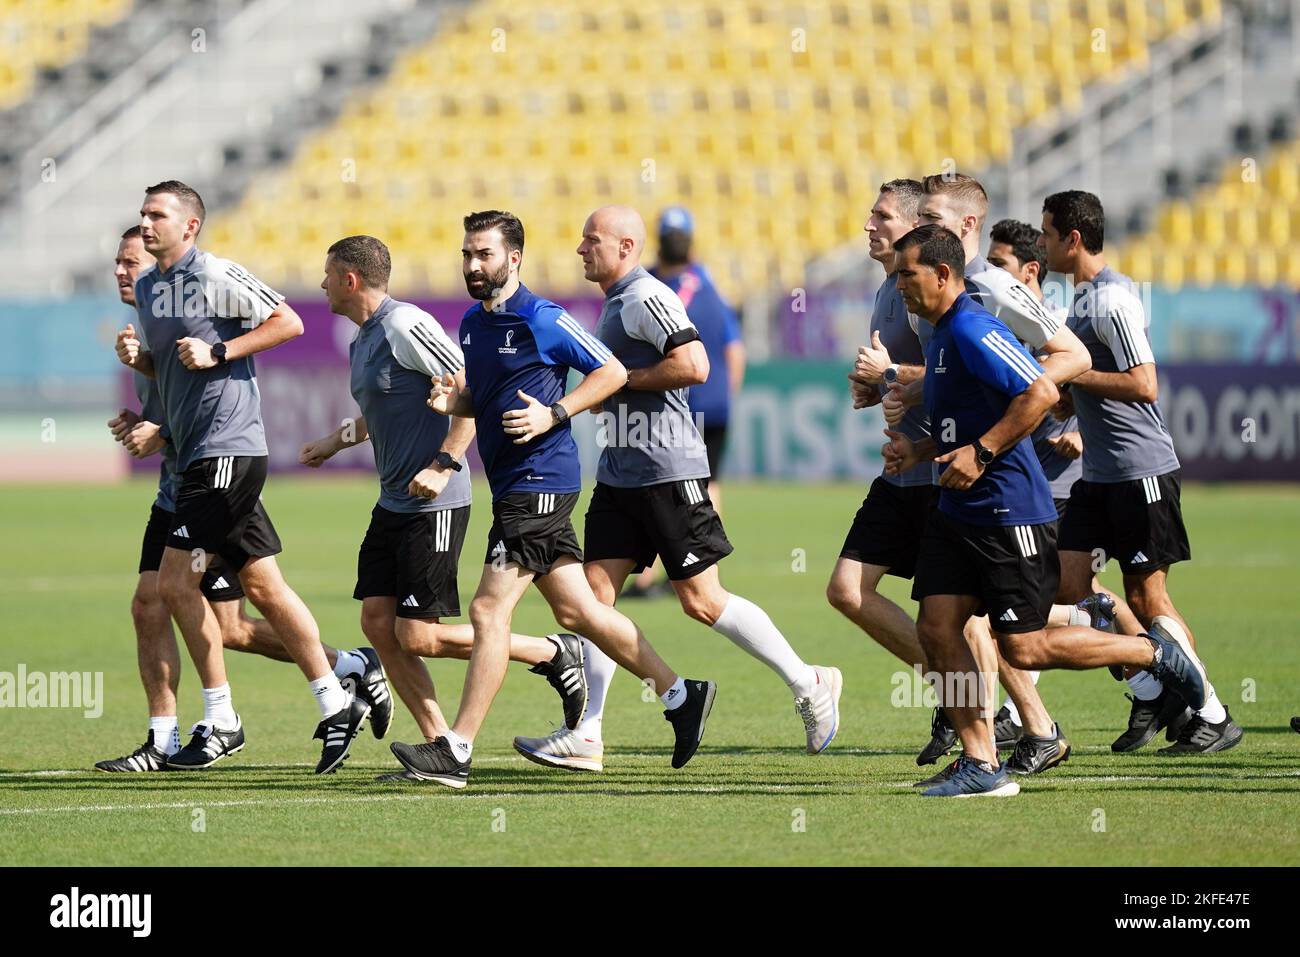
651	496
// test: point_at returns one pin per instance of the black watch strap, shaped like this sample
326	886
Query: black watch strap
219	353
559	413
983	456
444	461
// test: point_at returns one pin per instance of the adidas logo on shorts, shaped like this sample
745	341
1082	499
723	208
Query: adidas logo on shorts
1008	615
1139	559
410	602
182	532
689	560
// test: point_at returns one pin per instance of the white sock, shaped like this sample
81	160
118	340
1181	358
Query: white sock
217	708
1079	617
1145	686
461	748
166	733
675	696
748	627
349	663
1011	705
599	668
1213	711
330	696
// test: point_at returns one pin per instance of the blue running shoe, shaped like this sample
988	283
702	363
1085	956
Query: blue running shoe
1176	665
1100	609
972	778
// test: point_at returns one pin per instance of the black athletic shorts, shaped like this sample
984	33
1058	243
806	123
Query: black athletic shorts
1012	569
1138	522
888	527
532	529
219	509
674	520
413	556
715	443
218	584
1061	505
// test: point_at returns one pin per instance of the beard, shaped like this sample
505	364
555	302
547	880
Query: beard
493	282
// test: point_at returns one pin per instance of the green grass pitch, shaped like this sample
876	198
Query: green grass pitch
751	796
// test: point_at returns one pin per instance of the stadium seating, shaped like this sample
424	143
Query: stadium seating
774	120
1239	230
36	36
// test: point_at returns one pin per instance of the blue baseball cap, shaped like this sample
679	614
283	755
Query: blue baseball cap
676	219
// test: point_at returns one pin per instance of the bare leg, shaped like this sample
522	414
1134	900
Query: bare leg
577	609
289	617
178	584
985	652
1019	685
852	592
406	672
940	629
156	653
457	641
490	613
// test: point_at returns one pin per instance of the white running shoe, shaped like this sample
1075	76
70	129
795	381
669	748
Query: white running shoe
820	711
563	748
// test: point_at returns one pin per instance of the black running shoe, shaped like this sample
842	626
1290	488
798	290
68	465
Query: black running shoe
689	718
1176	665
208	745
144	758
1005	731
1146	718
372	688
565	674
1101	616
338	731
942	738
432	762
1201	737
939	778
1034	755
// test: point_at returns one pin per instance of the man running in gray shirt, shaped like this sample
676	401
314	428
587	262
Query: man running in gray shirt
202	320
651	495
1127	505
406	569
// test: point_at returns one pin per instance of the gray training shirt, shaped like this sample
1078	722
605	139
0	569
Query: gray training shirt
151	410
648	437
396	352
902	342
209	412
1122	441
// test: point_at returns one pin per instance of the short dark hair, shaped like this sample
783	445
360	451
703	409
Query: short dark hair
966	190
187	195
366	256
512	230
1075	209
133	233
937	245
907	192
1023	240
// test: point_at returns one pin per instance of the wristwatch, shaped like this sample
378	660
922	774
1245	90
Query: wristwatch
891	374
219	353
444	461
982	455
559	413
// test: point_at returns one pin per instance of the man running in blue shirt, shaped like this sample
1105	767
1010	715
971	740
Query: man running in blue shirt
518	351
990	546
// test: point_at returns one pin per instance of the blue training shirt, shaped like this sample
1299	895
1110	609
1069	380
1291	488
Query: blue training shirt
528	344
975	366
